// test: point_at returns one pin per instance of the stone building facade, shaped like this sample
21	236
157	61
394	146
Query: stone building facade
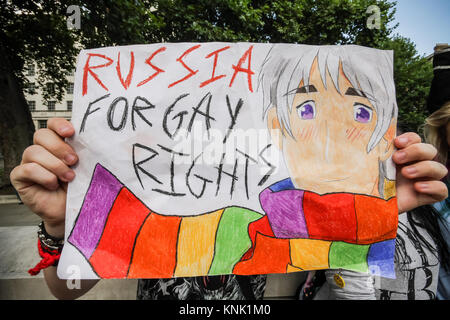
41	109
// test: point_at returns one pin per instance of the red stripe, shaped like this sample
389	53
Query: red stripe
330	216
112	256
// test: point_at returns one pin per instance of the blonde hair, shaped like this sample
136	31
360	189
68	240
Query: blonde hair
435	131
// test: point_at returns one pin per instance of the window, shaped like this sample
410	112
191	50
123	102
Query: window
42	124
51	105
51	88
31	88
70	88
32	105
30	70
69	105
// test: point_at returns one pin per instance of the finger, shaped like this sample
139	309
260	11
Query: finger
44	158
415	152
432	170
431	191
55	144
32	173
407	139
61	126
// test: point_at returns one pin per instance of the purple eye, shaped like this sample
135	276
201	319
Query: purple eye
362	113
307	110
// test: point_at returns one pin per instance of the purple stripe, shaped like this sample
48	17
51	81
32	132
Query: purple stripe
99	199
284	210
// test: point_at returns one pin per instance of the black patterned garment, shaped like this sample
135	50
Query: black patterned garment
417	267
225	287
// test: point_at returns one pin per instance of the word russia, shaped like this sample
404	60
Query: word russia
184	69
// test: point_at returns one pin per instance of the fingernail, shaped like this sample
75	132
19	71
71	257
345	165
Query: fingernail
423	185
70	158
402	140
69	175
401	155
64	130
411	170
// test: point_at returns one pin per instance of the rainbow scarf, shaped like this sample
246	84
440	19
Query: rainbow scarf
121	237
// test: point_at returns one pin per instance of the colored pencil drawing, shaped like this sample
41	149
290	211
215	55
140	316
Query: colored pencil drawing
331	113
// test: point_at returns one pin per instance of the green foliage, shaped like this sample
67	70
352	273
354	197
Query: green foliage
37	31
301	21
412	75
112	22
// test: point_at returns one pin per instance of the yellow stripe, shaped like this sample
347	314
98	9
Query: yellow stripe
389	189
195	250
290	268
308	254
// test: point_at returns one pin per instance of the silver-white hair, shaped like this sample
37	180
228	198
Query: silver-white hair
369	70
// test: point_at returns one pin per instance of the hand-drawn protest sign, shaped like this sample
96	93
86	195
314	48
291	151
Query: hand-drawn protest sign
220	158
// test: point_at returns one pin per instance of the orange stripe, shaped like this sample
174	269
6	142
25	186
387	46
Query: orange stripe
154	254
377	219
271	255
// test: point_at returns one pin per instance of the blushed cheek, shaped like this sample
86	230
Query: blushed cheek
354	134
307	133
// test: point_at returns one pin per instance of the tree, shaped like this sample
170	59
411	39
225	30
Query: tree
36	31
30	32
301	21
412	75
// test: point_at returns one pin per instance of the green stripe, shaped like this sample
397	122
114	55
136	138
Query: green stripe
232	239
349	256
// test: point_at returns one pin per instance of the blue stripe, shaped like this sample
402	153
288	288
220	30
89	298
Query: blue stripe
285	184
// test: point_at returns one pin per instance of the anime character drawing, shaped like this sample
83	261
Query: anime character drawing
331	111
